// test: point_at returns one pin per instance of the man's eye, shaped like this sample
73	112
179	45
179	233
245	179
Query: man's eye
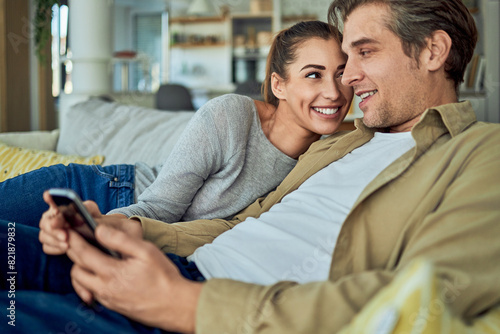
313	75
364	52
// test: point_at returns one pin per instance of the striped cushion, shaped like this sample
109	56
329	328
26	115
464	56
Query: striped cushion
412	303
17	160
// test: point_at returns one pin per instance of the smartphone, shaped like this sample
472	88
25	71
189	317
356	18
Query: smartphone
74	205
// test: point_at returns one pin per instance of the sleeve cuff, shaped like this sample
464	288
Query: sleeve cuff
234	302
163	235
227	306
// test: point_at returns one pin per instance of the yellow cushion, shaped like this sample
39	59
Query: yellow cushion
17	160
412	304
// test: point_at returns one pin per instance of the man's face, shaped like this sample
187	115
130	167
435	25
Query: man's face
390	84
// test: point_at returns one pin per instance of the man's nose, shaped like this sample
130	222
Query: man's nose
352	73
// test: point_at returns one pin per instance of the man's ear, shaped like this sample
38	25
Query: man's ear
437	51
278	86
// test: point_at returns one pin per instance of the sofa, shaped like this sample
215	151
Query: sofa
95	131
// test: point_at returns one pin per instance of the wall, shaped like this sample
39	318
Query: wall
14	65
300	7
490	10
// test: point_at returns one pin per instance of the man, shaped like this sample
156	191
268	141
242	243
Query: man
437	199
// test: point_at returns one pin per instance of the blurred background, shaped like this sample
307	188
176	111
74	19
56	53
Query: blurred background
127	49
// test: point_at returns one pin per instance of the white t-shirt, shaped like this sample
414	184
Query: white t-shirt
295	239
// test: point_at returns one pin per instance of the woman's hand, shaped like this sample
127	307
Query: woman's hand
54	225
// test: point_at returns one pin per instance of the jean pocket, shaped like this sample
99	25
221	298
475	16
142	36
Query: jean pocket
105	172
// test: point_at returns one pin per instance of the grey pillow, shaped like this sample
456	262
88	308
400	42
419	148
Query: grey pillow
122	133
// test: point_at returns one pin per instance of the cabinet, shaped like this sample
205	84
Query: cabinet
485	99
219	51
199	51
192	32
223	50
251	36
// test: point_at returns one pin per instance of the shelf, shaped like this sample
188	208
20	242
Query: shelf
470	94
197	45
197	19
252	15
250	57
250	53
297	18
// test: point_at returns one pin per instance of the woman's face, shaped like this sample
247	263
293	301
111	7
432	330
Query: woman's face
313	96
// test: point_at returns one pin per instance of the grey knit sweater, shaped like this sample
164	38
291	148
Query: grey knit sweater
222	163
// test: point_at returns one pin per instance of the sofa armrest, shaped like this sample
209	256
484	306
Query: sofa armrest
39	140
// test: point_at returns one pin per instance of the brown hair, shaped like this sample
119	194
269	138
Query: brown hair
284	47
414	21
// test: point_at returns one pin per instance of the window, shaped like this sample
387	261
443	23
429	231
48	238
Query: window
61	66
148	44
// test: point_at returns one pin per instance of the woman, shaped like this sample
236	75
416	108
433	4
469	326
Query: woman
233	151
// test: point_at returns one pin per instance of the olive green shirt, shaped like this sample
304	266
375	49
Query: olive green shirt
439	201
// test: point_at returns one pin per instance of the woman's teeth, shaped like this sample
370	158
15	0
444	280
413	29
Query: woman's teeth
365	95
326	111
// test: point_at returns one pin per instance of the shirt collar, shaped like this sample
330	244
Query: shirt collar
453	118
435	122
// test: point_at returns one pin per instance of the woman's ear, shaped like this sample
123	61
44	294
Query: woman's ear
437	51
278	86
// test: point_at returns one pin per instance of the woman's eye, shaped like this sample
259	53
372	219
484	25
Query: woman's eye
314	75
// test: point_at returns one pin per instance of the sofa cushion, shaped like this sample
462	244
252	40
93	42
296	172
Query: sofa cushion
38	140
122	133
16	160
418	301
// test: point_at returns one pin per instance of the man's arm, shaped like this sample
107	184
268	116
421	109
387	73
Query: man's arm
319	307
185	237
144	285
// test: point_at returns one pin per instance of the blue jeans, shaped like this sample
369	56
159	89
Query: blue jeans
110	187
37	295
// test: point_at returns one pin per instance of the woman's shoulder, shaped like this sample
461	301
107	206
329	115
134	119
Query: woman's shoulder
230	107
